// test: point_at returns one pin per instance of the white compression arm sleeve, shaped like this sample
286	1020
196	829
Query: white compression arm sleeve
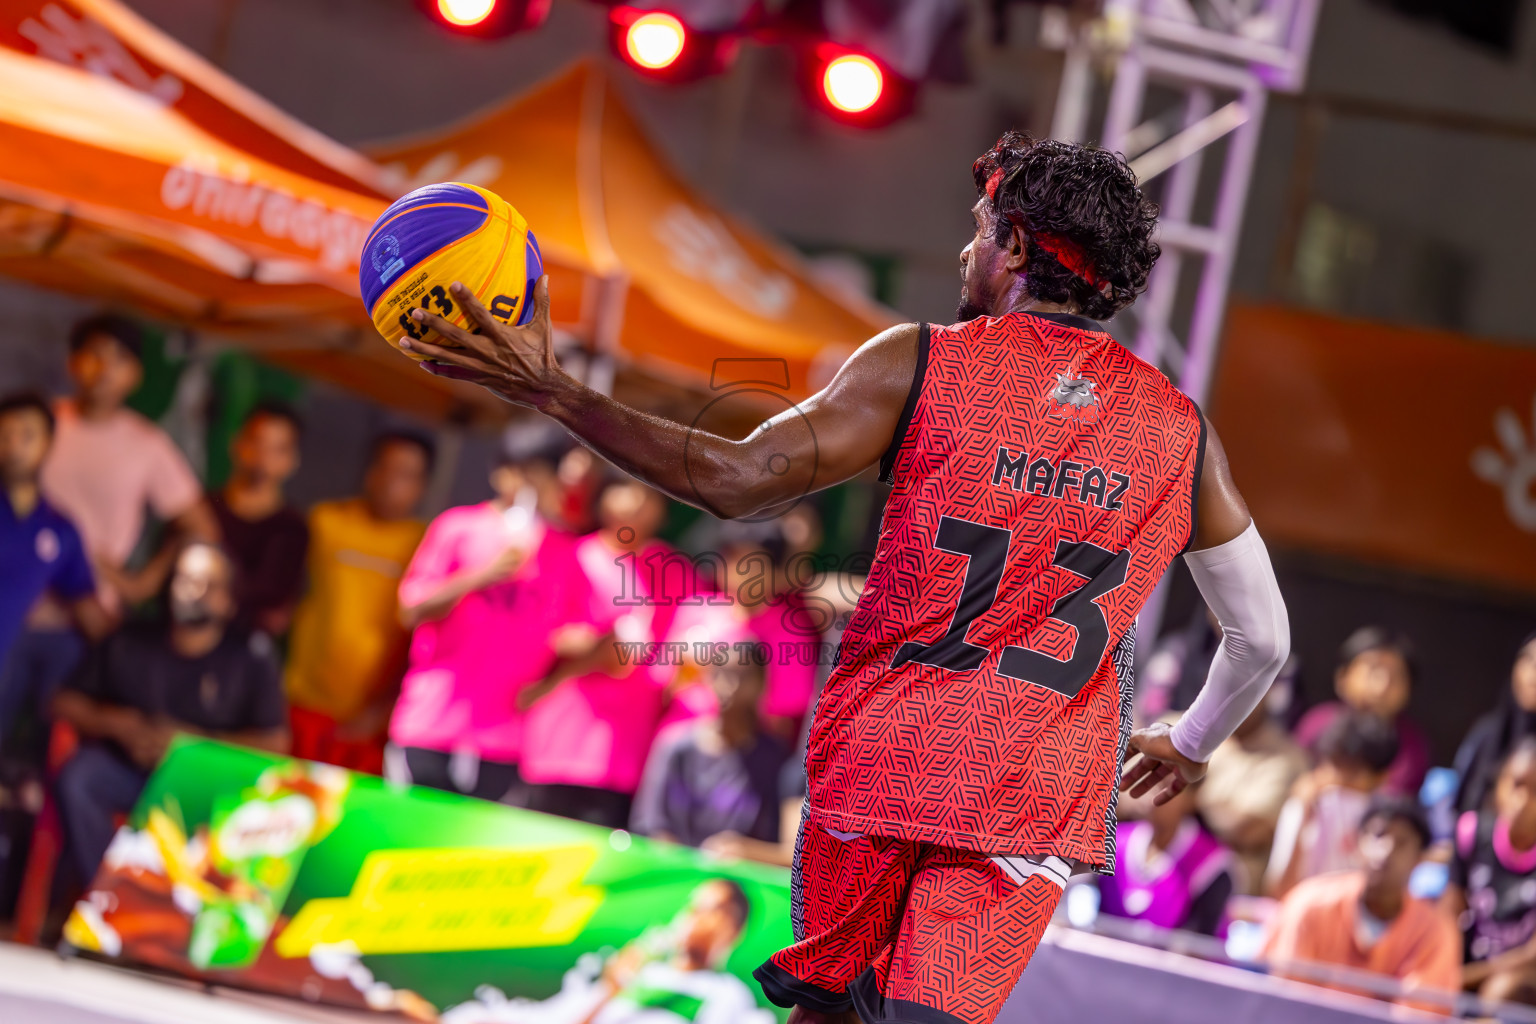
1239	584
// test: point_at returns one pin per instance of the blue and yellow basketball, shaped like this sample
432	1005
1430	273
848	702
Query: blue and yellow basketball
440	234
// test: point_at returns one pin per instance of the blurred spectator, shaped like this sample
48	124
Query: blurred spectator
347	650
578	477
1492	888
266	537
108	464
146	683
718	774
1375	674
781	852
802	530
1169	870
1246	785
1494	735
484	574
1366	919
40	550
1318	825
838	592
591	720
759	610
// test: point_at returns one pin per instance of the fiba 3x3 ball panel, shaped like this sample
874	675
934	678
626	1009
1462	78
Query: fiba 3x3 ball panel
435	236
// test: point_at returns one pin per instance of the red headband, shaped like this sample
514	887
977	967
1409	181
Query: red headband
1066	252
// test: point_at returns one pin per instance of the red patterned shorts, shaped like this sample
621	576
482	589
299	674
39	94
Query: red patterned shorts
903	931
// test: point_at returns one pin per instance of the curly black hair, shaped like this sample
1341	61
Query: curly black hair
1085	194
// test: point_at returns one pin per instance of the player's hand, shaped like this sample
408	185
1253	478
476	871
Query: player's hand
1154	763
517	363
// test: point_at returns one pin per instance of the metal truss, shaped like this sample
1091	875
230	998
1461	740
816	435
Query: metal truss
1226	51
1217	60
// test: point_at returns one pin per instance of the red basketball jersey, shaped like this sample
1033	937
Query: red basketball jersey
1044	480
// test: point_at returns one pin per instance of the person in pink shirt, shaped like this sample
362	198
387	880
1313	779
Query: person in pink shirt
591	722
109	465
487	594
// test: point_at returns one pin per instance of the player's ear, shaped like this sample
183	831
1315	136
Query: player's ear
1018	249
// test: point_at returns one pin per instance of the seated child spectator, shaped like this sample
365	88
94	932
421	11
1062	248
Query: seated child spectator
1366	919
1169	870
715	774
1375	675
1488	744
1492	889
193	674
266	537
1318	825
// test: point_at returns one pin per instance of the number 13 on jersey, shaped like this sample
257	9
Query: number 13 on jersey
986	551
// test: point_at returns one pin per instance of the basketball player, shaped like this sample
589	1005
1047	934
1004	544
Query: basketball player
965	753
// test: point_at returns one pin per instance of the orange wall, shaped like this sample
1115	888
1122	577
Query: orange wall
1375	441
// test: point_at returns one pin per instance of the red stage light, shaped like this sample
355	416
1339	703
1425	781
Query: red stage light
465	13
654	41
854	87
852	83
486	19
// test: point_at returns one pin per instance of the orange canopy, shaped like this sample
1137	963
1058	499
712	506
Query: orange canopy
139	174
109	40
637	259
106	190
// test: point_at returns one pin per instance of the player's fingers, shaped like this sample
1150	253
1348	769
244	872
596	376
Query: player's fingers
1175	786
1133	773
1149	781
438	353
541	302
452	332
1142	783
477	312
460	342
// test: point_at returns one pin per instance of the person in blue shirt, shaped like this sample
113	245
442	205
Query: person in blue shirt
40	549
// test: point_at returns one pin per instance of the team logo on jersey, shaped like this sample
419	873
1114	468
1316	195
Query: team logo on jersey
1073	399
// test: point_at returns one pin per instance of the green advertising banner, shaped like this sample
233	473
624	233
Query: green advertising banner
288	876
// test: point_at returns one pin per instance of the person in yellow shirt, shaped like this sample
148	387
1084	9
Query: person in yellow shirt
348	649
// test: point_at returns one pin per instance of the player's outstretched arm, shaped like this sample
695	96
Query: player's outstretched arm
1232	569
830	437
